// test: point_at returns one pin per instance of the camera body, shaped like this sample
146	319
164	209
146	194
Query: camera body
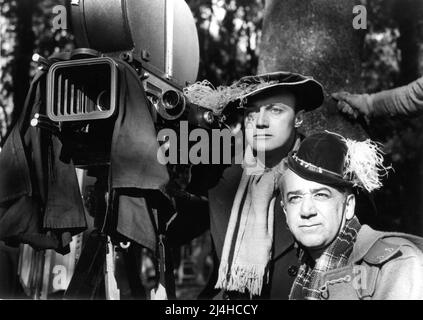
158	39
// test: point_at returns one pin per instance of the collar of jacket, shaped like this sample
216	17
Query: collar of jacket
369	248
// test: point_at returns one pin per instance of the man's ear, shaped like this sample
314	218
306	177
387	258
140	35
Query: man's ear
299	117
350	206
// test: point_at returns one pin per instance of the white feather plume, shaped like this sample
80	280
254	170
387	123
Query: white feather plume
364	164
216	99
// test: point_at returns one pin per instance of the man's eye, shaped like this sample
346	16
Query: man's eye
276	110
321	196
294	199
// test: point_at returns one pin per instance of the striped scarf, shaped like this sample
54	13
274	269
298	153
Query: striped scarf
247	248
306	284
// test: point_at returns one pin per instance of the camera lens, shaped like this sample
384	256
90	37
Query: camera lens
171	99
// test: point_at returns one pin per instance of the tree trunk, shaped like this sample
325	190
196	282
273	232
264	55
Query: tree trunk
315	38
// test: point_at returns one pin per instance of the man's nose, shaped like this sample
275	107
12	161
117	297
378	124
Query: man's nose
262	119
308	209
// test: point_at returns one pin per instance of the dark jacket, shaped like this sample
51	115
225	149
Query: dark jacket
221	184
284	261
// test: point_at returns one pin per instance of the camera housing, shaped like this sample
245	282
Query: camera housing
158	39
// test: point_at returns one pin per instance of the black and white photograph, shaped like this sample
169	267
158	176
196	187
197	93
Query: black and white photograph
211	154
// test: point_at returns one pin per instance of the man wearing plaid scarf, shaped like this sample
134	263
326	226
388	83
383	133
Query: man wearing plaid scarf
340	258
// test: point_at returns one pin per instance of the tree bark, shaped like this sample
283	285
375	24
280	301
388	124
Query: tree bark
315	38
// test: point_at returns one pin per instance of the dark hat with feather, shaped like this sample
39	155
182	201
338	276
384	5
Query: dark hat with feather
307	91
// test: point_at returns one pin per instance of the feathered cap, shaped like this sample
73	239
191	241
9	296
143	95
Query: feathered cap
329	158
309	92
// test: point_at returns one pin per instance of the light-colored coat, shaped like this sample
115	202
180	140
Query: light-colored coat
383	265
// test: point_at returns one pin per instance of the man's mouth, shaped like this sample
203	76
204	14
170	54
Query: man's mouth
309	227
262	136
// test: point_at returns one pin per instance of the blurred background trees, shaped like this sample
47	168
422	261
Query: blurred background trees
232	45
393	56
26	28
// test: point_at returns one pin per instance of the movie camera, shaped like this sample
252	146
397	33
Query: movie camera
158	39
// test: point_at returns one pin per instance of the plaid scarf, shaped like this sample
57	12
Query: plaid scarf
306	284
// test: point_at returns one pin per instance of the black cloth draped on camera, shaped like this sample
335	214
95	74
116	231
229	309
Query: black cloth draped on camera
136	175
40	201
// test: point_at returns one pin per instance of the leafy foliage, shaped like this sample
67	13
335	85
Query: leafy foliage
8	26
18	45
229	32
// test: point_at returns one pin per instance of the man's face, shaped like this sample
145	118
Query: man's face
314	212
269	121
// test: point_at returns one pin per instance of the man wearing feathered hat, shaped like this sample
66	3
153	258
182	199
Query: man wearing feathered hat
255	251
340	258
